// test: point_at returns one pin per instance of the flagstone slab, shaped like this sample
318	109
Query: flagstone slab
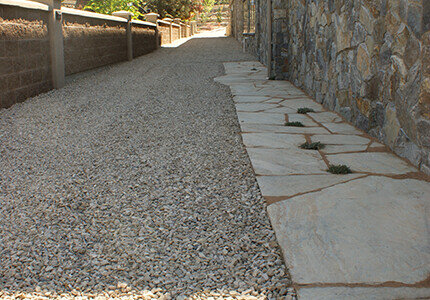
369	230
300	103
360	293
372	162
339	139
253	107
253	99
287	186
284	162
273	140
326	116
281	128
305	120
282	110
343	148
261	118
343	128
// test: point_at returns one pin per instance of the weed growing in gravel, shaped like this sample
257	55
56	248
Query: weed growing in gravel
294	124
305	110
339	169
312	146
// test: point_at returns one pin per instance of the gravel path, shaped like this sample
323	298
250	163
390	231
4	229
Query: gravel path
133	181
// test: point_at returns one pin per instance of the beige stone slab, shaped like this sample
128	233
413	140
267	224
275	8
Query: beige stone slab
360	293
299	103
369	230
276	186
325	117
249	99
282	110
281	128
284	162
343	128
304	119
338	139
253	107
260	118
343	148
372	162
286	91
273	140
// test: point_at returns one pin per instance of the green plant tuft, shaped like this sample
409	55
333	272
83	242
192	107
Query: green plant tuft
339	169
305	110
294	124
312	146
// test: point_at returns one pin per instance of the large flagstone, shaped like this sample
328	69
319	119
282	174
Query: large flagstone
372	162
273	140
369	230
282	162
360	293
287	186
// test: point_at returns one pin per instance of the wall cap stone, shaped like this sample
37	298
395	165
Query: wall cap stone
26	4
139	22
88	14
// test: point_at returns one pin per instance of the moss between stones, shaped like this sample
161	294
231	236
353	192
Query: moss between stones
312	146
339	169
304	110
294	124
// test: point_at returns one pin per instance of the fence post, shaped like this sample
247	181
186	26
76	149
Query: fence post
127	15
55	32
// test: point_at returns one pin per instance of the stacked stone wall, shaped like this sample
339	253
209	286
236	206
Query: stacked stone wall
367	60
25	64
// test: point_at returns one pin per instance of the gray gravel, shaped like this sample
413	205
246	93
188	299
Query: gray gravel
132	181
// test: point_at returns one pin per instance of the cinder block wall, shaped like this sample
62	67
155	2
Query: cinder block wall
164	32
143	39
176	33
25	68
90	43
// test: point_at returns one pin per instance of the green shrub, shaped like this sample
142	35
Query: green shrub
294	124
312	146
305	110
339	169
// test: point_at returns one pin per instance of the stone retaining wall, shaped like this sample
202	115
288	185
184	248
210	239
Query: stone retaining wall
90	43
164	32
143	40
176	32
367	60
25	65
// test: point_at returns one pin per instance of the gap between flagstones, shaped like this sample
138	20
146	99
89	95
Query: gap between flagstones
304	201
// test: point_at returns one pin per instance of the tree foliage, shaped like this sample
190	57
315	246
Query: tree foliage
177	8
183	9
110	6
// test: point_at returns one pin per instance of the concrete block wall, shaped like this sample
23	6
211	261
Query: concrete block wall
144	39
176	32
164	32
90	43
80	40
25	68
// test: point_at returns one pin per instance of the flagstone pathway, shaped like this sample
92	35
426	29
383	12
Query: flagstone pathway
363	235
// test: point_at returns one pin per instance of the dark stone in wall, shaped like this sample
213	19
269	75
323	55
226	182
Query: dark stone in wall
426	15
